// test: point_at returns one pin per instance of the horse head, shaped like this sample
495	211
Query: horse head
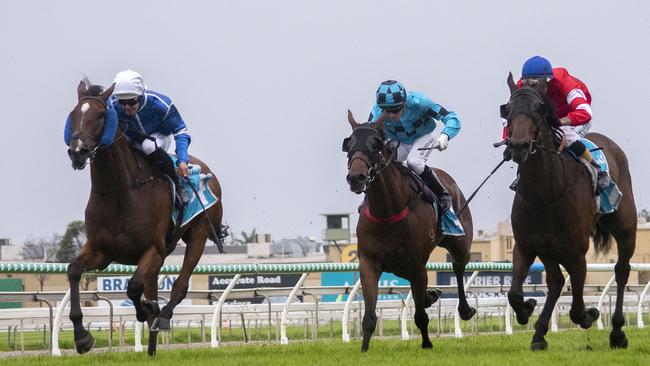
531	119
90	124
368	153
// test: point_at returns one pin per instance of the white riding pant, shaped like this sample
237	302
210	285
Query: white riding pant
575	133
161	141
416	159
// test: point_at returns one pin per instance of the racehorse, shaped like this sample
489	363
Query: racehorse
129	216
555	211
400	229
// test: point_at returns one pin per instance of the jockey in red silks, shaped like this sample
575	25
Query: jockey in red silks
571	102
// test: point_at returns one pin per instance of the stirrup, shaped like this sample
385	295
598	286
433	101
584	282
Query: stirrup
445	202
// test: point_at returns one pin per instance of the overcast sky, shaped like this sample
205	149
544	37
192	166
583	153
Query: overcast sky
264	87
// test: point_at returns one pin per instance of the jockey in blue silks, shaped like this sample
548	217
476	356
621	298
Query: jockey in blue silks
152	121
411	119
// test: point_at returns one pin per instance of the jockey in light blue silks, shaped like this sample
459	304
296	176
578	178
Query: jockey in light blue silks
411	119
152	121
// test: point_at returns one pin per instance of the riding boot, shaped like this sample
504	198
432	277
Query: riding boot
163	161
602	178
432	181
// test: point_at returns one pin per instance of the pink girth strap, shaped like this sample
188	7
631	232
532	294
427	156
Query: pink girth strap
390	220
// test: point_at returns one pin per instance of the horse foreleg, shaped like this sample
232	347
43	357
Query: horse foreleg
369	283
578	272
151	305
554	283
195	244
520	264
419	291
87	259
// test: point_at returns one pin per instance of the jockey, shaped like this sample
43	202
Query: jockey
152	121
571	102
411	120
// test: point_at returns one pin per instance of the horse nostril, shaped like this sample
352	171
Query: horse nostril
355	178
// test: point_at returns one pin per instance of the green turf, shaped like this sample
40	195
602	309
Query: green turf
572	347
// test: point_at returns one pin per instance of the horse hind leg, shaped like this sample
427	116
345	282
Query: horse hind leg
465	311
144	278
195	240
459	251
520	264
87	259
369	283
419	291
626	243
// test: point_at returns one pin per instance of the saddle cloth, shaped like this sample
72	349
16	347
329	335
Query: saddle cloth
609	198
195	203
448	222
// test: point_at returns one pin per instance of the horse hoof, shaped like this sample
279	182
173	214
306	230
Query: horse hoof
530	305
467	314
85	343
160	324
432	296
593	313
539	346
427	344
618	340
590	317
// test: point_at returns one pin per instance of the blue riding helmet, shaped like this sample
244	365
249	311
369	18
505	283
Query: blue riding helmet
391	94
537	67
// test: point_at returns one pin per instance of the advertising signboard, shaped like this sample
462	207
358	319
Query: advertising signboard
252	281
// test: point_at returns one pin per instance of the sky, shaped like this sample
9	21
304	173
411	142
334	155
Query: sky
264	87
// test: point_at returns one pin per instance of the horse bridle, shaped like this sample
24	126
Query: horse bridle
88	136
374	168
537	120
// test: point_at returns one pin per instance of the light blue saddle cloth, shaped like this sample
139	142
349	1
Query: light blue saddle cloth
610	197
448	223
196	203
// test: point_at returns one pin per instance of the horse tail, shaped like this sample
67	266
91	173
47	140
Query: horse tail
602	237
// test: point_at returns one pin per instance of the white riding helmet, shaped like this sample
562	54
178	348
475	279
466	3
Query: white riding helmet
128	85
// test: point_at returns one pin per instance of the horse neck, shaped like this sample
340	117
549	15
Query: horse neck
388	194
113	167
542	177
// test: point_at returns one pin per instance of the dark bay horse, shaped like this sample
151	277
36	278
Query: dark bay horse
128	218
554	213
404	230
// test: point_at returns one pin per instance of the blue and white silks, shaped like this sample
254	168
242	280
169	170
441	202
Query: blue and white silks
193	206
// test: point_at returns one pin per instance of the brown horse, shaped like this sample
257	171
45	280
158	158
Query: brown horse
404	230
554	212
128	218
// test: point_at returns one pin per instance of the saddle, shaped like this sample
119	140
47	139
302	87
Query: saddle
417	184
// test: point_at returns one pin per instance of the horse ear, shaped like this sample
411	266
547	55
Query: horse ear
351	120
379	123
81	89
511	83
107	93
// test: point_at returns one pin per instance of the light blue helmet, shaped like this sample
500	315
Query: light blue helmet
391	94
537	67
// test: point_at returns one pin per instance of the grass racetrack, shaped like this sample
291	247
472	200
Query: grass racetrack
571	347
